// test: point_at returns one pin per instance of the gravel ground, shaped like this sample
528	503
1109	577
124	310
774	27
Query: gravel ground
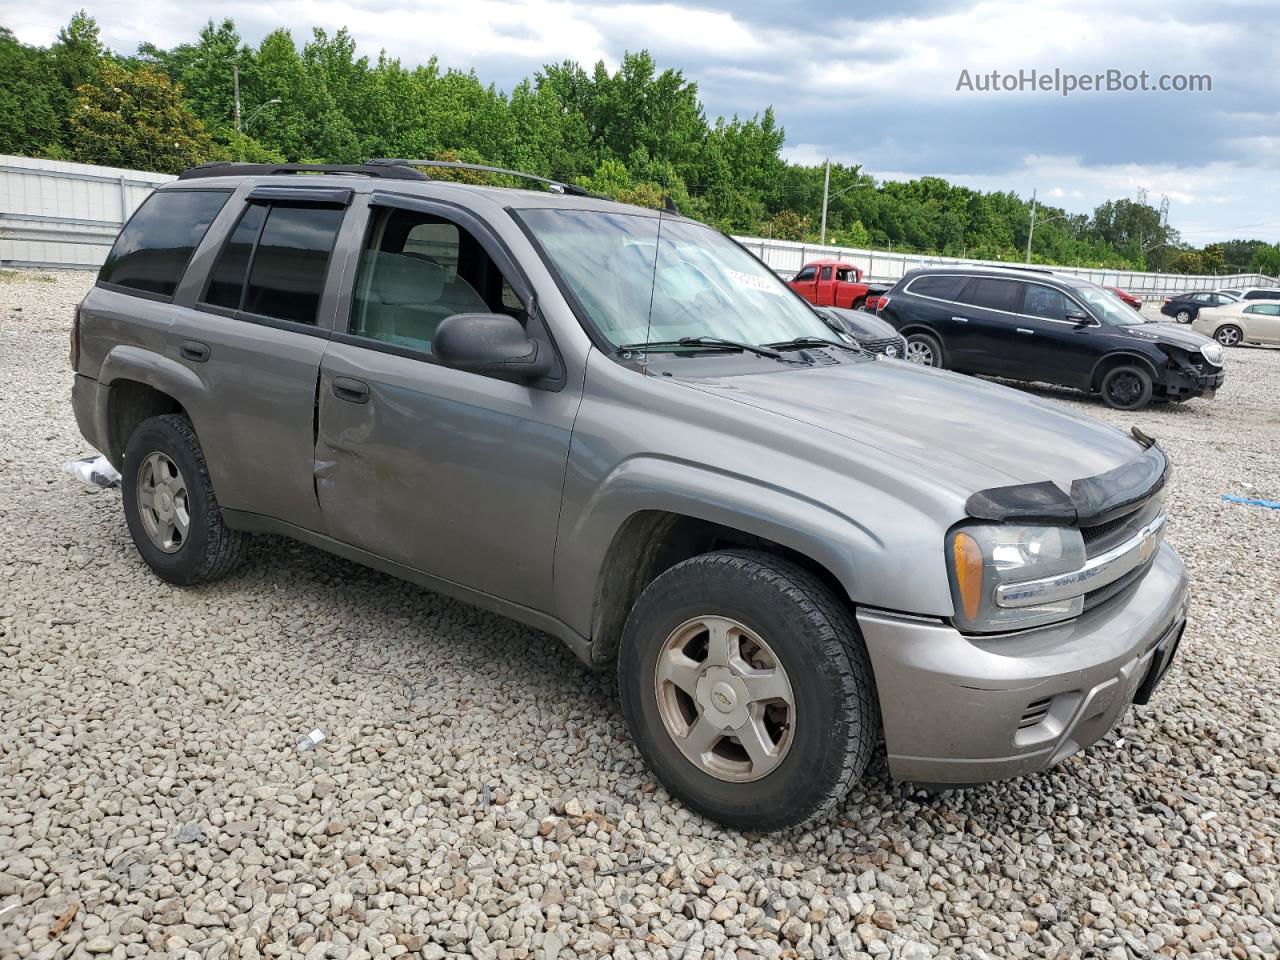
477	791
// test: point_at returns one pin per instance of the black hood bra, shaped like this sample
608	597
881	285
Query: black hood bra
1092	500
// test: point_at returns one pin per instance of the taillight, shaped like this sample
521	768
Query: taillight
1168	299
876	304
74	355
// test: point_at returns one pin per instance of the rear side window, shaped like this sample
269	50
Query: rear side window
941	287
993	294
275	262
1262	295
826	274
152	251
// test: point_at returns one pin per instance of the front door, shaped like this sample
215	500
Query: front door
825	294
450	473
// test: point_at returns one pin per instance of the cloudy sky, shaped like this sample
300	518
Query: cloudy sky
874	84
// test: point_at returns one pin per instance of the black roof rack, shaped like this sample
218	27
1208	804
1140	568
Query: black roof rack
225	168
1000	266
555	185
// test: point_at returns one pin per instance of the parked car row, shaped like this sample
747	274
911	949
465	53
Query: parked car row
1186	307
615	425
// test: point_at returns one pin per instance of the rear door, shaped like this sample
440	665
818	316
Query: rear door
260	315
989	335
451	473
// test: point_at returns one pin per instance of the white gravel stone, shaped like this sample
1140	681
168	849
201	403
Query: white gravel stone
153	799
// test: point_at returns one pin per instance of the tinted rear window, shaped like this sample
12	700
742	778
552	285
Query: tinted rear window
943	287
227	282
992	294
290	263
152	250
1262	295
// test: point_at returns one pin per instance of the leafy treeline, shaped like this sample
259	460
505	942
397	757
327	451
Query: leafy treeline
639	134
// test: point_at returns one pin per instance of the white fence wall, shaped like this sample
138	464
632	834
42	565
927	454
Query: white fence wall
56	214
787	258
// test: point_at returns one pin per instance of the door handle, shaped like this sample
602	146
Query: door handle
352	391
960	319
194	350
1025	330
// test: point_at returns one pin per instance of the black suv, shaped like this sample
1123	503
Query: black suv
1185	307
1036	326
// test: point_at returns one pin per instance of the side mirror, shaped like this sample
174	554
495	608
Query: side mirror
1080	319
490	343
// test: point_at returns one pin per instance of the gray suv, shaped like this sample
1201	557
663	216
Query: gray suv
617	426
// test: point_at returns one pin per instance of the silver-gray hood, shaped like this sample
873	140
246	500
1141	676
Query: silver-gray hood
965	433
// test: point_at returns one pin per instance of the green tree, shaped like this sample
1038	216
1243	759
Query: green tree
136	118
31	99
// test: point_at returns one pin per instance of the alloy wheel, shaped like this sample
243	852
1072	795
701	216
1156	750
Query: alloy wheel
1184	316
163	504
725	699
1228	336
918	351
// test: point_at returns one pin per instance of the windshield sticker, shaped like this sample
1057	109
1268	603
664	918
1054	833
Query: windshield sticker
752	281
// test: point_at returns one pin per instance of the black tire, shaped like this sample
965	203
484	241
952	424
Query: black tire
1229	335
1126	387
926	342
815	638
210	549
858	304
1184	316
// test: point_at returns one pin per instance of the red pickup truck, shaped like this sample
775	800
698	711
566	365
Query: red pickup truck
830	283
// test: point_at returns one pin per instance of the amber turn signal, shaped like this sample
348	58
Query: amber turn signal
967	557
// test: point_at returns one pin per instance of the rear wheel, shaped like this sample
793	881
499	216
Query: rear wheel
1126	388
1183	316
170	508
924	349
748	690
858	304
1229	335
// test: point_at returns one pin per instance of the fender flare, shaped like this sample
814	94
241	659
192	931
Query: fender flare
838	542
1095	377
161	373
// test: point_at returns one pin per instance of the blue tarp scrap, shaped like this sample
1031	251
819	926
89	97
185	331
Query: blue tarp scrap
1252	501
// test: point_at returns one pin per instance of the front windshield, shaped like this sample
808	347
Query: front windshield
1107	308
704	284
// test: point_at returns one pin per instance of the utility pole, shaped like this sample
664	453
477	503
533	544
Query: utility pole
826	188
235	73
1032	229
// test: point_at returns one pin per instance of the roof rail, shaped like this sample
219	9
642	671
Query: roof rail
1001	266
555	185
225	168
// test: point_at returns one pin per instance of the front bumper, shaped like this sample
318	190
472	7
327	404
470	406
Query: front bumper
961	710
1184	383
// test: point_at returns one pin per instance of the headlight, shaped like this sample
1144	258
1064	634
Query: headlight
982	557
1213	353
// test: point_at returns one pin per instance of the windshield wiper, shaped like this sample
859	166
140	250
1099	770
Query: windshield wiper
801	342
709	343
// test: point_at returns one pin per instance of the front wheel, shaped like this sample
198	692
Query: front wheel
748	689
1229	335
1126	388
924	349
